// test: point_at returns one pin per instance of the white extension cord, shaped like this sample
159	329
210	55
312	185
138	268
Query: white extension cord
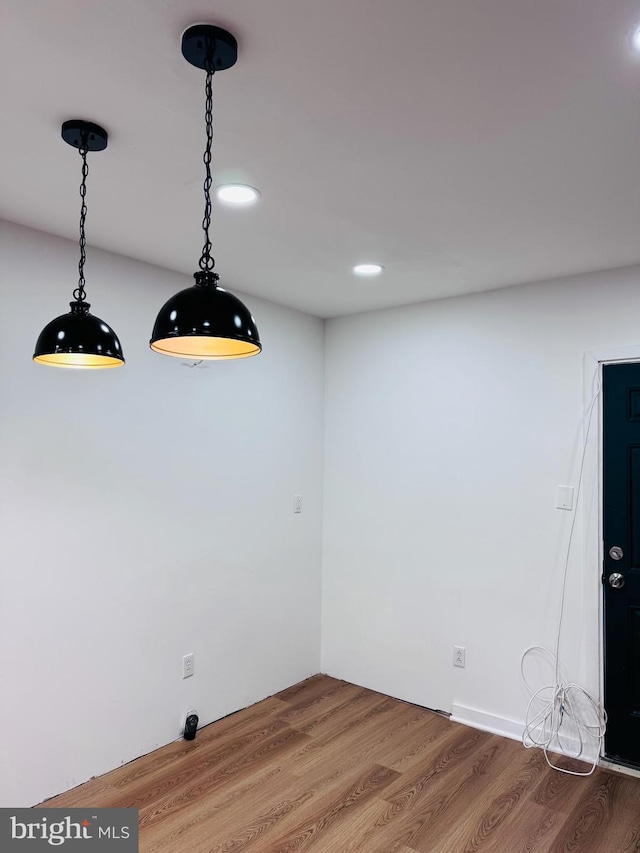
564	713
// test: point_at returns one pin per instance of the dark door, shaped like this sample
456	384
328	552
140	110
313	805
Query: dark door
621	570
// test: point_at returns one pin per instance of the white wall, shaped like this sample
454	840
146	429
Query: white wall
145	512
448	426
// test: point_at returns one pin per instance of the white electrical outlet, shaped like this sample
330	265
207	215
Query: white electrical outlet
188	664
458	655
297	503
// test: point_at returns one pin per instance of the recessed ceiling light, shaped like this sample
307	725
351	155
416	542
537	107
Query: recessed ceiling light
635	39
368	269
237	194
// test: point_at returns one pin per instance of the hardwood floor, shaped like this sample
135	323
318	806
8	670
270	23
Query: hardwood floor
328	766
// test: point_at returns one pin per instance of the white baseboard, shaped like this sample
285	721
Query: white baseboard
487	722
512	729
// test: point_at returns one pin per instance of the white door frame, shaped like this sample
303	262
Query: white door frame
592	503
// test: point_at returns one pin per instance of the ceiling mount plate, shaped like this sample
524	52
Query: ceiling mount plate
79	133
205	40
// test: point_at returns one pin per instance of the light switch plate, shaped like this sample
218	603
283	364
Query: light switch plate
564	497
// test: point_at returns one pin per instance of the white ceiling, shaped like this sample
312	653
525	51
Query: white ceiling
464	144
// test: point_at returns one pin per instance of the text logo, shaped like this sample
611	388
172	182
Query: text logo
32	830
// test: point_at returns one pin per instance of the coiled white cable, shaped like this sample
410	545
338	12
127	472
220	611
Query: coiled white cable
564	711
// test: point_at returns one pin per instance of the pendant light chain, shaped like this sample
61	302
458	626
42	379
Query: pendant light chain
79	293
206	261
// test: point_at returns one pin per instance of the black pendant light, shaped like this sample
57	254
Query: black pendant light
79	339
204	321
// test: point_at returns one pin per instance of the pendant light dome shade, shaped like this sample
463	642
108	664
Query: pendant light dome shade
78	339
205	322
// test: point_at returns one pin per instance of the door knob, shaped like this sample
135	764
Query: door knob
616	580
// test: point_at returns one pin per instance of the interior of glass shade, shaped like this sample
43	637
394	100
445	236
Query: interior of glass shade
78	360
195	346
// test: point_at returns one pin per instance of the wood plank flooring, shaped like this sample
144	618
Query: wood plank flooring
328	766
